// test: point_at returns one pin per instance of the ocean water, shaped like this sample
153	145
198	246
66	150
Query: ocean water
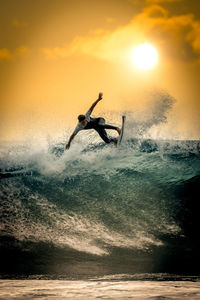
100	219
99	289
100	210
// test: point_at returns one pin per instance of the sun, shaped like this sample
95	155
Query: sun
145	56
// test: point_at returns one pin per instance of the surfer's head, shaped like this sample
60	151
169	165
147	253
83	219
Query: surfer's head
81	118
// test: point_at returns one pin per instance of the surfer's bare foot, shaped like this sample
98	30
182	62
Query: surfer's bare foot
119	130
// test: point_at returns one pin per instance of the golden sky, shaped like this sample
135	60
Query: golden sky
57	55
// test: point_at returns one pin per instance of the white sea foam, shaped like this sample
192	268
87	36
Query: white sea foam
104	289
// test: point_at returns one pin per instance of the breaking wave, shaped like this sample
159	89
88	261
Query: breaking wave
100	202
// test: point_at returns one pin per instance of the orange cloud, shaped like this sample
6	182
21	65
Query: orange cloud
177	37
56	52
21	51
6	54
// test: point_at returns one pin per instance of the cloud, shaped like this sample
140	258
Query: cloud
56	52
6	54
176	36
99	43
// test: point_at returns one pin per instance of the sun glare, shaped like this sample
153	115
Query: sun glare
145	56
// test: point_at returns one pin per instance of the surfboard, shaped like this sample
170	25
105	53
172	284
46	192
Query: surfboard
122	131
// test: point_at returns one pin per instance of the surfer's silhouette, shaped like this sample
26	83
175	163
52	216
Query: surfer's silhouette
86	122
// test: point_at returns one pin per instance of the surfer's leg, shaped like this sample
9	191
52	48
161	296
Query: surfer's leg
101	123
107	126
104	136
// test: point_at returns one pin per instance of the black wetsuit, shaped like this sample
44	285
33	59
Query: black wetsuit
99	125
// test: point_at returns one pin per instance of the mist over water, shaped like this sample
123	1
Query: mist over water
97	209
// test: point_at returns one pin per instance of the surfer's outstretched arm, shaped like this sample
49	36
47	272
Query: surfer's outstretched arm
95	103
69	142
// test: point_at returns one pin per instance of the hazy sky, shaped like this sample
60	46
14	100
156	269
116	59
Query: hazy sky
57	55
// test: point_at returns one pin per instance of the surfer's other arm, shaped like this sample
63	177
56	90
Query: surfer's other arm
95	103
69	142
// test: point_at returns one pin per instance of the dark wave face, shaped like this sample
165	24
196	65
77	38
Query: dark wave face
100	210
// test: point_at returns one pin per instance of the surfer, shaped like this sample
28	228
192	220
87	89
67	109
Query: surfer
86	122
